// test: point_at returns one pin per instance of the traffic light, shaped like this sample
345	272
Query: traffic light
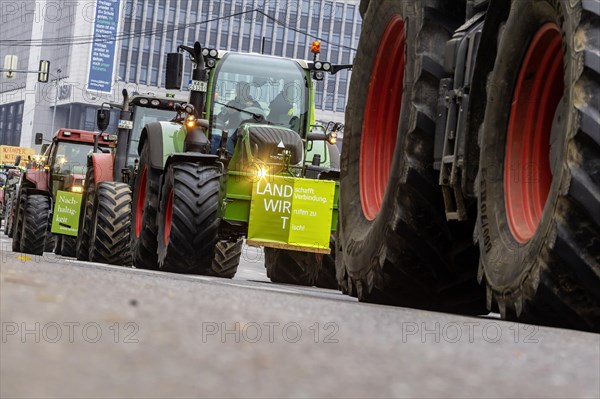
43	71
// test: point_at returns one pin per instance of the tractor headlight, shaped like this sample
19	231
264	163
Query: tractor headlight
77	189
190	122
332	138
261	172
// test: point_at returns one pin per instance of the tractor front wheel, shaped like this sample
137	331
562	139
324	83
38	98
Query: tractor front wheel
68	246
85	223
188	218
18	223
111	224
145	206
35	222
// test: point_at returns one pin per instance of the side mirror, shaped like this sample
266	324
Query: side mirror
102	119
18	158
39	138
174	71
45	148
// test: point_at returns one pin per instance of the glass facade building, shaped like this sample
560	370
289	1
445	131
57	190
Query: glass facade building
148	30
276	27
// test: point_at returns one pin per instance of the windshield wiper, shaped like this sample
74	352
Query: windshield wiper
257	117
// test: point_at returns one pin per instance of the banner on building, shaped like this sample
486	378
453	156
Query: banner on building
102	54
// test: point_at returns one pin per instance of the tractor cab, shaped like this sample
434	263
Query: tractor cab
257	89
145	110
66	158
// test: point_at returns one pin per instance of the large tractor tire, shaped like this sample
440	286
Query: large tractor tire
18	223
85	222
111	224
50	243
35	223
9	224
326	278
188	218
291	267
227	258
396	246
539	180
68	246
144	230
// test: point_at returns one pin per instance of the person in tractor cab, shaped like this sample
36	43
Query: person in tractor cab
243	99
281	109
231	118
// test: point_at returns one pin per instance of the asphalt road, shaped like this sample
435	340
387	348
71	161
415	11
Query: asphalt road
77	329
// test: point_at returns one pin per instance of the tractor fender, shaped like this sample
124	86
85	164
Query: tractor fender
103	167
36	191
39	178
164	138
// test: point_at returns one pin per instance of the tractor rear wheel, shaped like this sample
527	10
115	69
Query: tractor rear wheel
35	223
85	223
227	258
68	246
111	224
18	223
50	242
9	224
291	267
188	218
326	277
396	246
144	231
539	180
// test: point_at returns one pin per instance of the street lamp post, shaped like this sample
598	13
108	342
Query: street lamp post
58	71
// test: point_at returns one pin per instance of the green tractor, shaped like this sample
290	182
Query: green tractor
243	158
105	220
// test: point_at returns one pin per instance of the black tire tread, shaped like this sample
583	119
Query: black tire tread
68	246
35	222
111	221
562	288
83	240
195	224
227	258
419	265
144	248
291	267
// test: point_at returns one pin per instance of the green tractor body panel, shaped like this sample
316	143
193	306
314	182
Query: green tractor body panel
173	137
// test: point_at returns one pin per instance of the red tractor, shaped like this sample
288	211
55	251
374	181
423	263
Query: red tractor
64	166
470	176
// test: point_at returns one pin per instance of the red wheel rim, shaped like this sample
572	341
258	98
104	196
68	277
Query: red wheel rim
141	201
381	118
527	171
168	218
